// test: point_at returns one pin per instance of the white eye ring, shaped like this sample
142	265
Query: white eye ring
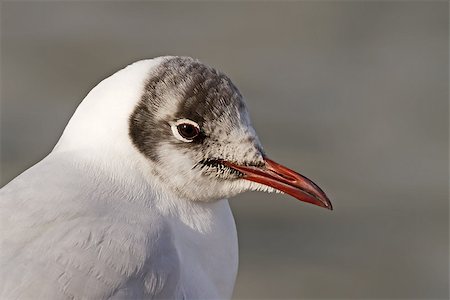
174	127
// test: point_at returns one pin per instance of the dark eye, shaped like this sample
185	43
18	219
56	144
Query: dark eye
188	131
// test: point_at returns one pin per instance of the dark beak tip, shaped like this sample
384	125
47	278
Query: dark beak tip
324	202
327	203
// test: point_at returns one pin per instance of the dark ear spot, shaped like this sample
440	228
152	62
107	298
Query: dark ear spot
145	132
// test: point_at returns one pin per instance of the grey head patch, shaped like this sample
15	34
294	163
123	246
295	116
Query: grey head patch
181	87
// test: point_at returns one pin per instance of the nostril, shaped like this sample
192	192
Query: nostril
281	175
287	177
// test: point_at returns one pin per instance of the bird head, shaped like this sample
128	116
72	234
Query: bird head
193	128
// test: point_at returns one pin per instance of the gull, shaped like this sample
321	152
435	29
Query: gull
131	202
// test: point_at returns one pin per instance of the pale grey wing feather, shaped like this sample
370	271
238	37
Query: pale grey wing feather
64	235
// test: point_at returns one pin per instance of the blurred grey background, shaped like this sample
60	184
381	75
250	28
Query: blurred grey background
352	94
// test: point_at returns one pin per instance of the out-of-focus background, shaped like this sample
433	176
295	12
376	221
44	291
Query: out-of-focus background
352	94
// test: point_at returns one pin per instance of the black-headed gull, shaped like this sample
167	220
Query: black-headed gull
130	202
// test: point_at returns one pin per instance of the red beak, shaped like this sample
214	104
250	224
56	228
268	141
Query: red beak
283	179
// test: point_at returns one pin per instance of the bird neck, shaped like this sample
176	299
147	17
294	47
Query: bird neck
130	176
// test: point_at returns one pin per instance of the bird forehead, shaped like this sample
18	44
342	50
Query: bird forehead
185	88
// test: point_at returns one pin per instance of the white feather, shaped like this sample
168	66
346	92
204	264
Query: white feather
88	222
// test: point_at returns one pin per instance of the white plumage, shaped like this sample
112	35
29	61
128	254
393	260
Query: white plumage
128	204
85	223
